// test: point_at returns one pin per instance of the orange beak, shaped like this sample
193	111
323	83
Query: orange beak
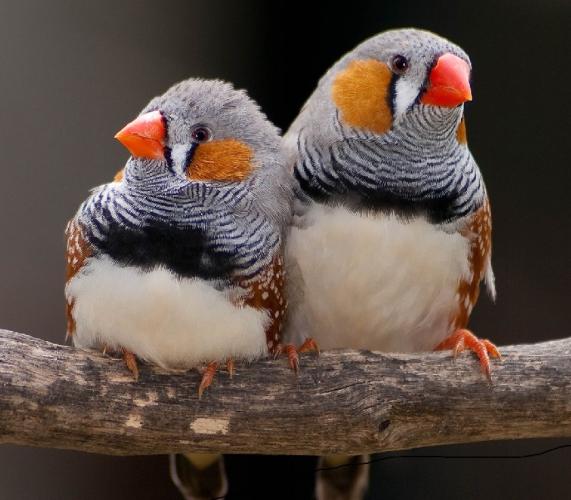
145	136
448	82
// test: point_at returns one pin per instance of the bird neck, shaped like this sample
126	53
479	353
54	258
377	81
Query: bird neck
193	233
417	168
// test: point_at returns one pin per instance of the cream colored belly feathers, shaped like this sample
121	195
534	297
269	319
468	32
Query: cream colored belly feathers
372	281
175	323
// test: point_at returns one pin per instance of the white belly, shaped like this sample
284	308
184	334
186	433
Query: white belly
175	323
373	281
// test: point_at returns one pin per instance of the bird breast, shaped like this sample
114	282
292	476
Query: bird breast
172	321
373	281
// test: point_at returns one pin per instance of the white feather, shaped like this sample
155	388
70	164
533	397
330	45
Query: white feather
173	322
373	281
405	95
490	280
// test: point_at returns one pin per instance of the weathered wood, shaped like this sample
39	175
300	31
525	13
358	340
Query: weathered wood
344	402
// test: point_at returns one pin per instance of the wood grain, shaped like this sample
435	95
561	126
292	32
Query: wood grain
342	402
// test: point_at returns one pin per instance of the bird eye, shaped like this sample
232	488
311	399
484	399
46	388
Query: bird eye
201	134
399	64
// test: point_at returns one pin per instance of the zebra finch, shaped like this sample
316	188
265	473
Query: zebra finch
392	233
178	261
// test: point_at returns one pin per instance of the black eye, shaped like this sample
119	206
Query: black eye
399	64
201	134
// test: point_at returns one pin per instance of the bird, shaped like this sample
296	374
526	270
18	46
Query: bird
179	260
391	234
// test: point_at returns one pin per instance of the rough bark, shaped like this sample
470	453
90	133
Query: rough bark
342	402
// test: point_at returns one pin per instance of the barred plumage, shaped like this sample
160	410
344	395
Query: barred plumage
177	267
392	234
249	241
370	168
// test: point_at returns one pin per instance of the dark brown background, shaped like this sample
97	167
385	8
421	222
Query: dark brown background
72	73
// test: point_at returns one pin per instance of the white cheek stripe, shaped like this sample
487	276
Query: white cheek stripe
178	157
405	95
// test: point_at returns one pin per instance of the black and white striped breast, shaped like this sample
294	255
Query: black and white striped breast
214	234
417	168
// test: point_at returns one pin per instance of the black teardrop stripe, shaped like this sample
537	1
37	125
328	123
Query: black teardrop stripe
185	252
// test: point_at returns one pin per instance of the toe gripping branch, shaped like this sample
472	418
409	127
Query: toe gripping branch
292	352
210	371
464	339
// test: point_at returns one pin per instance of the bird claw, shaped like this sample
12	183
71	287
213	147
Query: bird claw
463	339
131	362
230	368
292	352
207	377
209	373
308	346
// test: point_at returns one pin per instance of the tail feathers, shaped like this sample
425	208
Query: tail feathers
346	479
199	476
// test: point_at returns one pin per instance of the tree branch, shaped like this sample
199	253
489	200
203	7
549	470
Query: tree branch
343	402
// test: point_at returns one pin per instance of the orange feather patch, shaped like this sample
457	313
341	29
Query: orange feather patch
267	293
221	160
461	132
479	231
361	93
119	175
77	252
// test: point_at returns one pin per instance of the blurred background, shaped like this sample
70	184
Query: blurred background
73	73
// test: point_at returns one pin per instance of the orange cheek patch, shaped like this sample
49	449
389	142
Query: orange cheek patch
361	93
118	176
222	160
461	132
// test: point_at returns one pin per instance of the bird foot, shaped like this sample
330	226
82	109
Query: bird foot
207	377
463	339
209	373
292	352
230	368
131	362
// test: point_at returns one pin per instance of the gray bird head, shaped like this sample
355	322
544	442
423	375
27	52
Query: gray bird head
201	137
383	128
376	86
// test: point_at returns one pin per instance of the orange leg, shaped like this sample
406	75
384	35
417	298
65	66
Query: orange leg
207	377
131	362
463	339
230	368
308	346
292	352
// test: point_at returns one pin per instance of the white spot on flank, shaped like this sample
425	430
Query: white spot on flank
210	426
265	296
